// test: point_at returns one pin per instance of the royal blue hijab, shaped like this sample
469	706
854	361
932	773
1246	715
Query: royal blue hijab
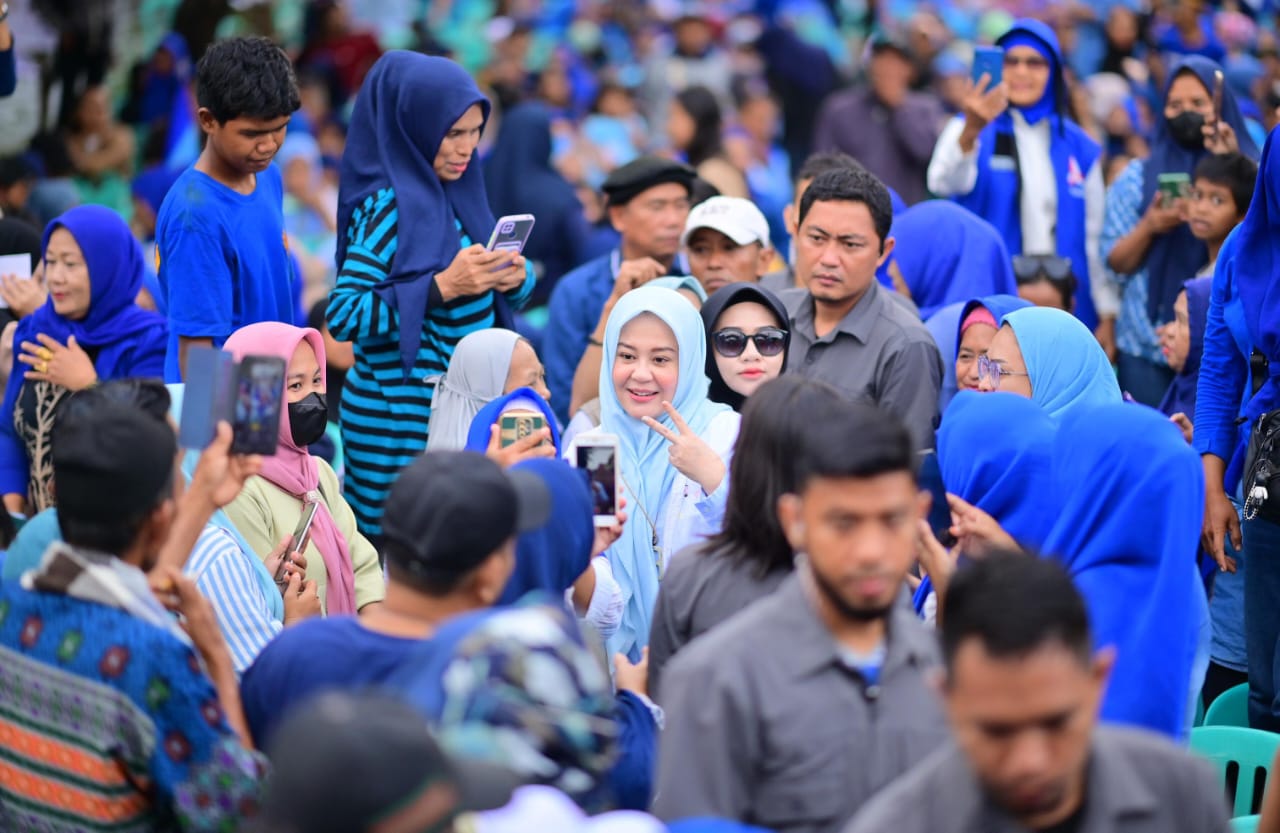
944	325
1178	254
551	559
478	436
1130	499
946	253
1067	367
407	104
119	329
1180	398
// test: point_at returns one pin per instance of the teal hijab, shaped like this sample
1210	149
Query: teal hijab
681	282
275	602
643	460
1067	366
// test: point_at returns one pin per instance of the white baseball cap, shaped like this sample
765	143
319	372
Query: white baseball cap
734	217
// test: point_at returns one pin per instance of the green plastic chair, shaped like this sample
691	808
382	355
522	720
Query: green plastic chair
1231	708
1199	721
1244	824
1242	757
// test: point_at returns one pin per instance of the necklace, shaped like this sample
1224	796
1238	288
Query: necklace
657	550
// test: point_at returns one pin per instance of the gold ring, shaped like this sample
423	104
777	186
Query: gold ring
44	367
46	353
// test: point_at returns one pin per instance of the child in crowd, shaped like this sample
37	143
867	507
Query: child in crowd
1221	191
221	252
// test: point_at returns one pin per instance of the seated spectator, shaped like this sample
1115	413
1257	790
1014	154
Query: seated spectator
832	641
89	330
1046	281
748	333
1022	692
17	179
750	556
1048	356
342	563
109	694
726	240
486	364
102	151
944	253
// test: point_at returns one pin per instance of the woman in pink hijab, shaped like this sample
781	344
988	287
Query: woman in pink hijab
340	560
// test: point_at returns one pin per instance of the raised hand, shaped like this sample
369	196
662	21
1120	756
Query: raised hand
689	453
66	365
535	446
977	532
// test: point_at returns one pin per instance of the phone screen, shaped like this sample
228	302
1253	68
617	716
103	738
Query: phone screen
515	427
511	234
600	464
256	413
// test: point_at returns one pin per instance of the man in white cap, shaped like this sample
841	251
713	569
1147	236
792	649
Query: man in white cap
726	240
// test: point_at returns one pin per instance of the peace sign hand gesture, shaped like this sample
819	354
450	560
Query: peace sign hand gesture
691	456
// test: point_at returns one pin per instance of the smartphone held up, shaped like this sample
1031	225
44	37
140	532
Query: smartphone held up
597	455
248	394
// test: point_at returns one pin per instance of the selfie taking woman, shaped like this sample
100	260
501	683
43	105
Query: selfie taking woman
674	445
89	330
411	284
747	337
340	560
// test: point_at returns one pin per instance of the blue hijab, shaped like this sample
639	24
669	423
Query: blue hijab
1173	257
946	253
643	454
406	106
944	325
551	559
518	172
1067	367
1180	398
478	436
1130	498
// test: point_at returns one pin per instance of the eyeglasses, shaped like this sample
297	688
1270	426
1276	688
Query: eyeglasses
1029	268
732	342
1030	61
993	371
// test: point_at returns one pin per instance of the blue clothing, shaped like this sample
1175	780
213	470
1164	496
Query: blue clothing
550	559
1181	396
478	436
313	657
996	196
575	307
408	103
385	414
28	547
123	339
1262	621
1135	332
1132	555
8	71
223	259
1065	363
945	254
521	180
1176	256
1171	40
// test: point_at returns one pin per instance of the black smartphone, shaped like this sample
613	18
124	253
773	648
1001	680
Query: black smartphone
598	457
259	391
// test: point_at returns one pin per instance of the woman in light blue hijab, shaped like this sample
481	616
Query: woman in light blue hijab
1048	356
674	445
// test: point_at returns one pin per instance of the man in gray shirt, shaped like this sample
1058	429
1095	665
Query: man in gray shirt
793	713
845	328
1022	694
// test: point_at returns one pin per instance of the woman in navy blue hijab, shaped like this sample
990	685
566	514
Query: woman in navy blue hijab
412	283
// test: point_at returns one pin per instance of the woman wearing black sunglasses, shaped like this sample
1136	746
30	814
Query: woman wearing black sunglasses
747	337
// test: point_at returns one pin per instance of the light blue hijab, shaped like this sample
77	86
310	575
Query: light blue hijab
275	602
679	282
1067	366
642	452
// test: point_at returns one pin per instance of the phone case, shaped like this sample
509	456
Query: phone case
512	429
602	478
511	233
206	396
989	61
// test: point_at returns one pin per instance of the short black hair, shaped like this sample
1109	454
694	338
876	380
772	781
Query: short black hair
854	440
856	186
1015	604
1233	171
246	77
1065	287
819	163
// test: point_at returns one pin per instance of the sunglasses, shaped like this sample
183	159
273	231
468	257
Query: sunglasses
1031	62
1028	268
731	343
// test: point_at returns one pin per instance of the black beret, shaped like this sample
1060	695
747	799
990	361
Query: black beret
639	175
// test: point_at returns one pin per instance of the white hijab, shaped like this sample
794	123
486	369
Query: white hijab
476	376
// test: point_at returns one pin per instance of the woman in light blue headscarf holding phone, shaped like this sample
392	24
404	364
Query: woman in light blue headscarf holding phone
674	445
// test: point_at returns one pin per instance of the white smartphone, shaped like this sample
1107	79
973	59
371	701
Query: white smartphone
597	455
511	233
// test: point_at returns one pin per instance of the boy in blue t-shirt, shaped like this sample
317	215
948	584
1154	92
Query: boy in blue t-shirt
221	250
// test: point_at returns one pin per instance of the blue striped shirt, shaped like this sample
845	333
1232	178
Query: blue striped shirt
1135	334
384	415
229	580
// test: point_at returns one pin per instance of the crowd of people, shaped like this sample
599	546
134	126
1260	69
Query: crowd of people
863	439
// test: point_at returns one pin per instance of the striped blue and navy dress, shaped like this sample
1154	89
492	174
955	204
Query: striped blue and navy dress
384	415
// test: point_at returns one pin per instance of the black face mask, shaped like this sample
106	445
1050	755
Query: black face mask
307	419
1187	129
